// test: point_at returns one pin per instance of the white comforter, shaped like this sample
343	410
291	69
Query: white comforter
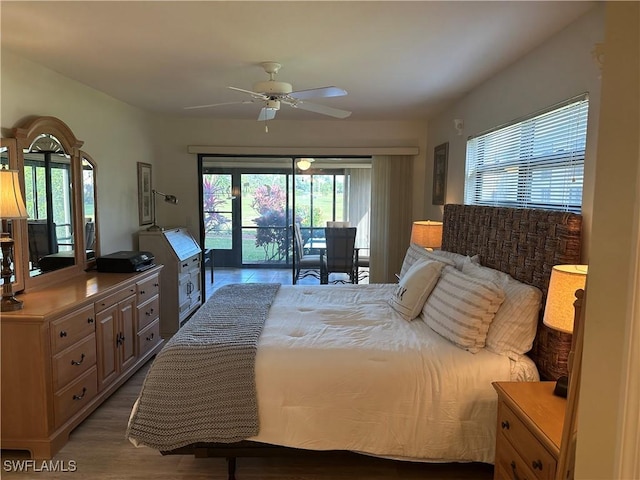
337	368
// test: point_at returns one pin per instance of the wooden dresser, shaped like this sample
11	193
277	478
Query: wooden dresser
69	348
530	421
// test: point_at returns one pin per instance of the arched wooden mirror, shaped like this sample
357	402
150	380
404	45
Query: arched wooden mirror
59	185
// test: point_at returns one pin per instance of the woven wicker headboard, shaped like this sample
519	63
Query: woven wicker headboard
526	244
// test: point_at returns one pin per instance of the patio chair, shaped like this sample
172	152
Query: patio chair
341	253
305	265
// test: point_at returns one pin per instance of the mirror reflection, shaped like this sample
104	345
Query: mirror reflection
89	207
6	224
49	202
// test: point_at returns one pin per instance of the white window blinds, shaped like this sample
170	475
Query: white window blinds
535	163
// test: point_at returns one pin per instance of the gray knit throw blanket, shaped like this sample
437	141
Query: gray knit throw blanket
201	386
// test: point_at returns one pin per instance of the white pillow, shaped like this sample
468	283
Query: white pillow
414	287
461	308
457	258
416	252
514	327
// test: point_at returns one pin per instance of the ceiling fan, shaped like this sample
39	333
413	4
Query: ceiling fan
272	94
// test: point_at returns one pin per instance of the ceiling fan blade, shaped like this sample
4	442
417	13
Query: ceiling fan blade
323	109
253	94
267	114
318	92
216	104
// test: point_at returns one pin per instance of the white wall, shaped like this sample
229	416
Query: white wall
557	70
177	170
115	135
611	286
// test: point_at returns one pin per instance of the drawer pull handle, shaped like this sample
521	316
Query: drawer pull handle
150	337
90	320
142	292
156	284
119	339
149	313
81	396
537	464
505	425
513	468
63	334
79	362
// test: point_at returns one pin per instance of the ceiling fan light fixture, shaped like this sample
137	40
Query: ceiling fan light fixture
272	104
304	163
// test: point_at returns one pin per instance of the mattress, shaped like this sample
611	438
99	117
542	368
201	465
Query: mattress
338	369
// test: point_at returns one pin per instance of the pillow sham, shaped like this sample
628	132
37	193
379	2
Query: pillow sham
513	329
457	258
414	287
416	252
461	307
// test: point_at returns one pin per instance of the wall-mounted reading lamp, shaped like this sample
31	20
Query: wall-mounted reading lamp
167	198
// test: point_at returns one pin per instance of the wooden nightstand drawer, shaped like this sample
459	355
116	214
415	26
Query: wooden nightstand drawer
68	330
74	361
509	464
533	453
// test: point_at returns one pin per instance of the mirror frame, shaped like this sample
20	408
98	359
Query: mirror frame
19	227
91	263
24	137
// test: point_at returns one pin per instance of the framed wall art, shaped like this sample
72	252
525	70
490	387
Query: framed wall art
440	157
145	212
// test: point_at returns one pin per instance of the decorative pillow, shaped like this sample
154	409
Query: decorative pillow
416	252
514	327
457	258
414	287
461	308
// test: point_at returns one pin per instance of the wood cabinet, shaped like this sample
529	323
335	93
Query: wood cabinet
181	281
530	421
68	349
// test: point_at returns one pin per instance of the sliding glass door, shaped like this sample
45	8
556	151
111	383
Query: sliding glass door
249	205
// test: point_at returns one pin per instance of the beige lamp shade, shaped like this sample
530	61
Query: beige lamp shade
565	280
427	234
11	202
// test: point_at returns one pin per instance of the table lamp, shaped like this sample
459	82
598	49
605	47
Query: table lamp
559	312
427	234
11	208
167	198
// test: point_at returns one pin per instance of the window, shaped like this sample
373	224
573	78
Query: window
535	163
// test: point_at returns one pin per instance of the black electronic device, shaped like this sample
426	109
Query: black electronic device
125	262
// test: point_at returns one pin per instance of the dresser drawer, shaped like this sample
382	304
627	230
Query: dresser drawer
509	464
71	399
117	297
74	361
68	330
149	338
148	312
536	457
148	289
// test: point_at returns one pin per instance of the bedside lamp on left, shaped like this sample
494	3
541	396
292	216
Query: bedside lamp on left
11	208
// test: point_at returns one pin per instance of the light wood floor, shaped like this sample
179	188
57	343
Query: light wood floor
99	450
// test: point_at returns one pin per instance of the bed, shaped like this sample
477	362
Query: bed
362	368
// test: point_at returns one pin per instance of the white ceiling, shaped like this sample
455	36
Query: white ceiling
397	60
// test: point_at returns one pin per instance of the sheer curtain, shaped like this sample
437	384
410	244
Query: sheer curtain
359	201
391	215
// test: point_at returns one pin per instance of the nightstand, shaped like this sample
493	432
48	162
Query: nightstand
529	433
